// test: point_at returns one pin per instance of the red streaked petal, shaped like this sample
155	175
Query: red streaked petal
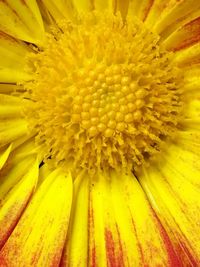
176	14
16	188
124	230
40	234
184	37
173	190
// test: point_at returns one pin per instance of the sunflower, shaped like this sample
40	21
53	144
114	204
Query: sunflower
99	133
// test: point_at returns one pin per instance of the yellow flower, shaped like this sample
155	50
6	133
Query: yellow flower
99	133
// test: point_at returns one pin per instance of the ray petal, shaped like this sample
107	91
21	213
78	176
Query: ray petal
76	249
22	20
12	125
9	135
189	140
156	11
17	186
40	234
13	58
102	5
83	5
124	230
88	5
122	6
186	36
22	148
4	154
176	14
173	189
189	56
6	88
60	9
141	8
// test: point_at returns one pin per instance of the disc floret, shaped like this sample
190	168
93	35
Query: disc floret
104	94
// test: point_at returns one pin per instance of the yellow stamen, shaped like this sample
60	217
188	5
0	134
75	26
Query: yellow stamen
104	94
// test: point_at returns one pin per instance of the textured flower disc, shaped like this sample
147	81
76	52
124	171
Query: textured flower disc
104	94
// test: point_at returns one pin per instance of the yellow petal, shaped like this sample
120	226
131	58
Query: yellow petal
188	56
46	16
9	135
124	230
22	20
193	110
83	5
16	188
104	5
60	9
10	106
7	111
22	148
173	189
6	124
141	8
191	86
9	99
122	6
12	126
156	11
12	173
13	57
12	52
7	88
76	249
39	236
189	140
191	123
4	154
134	7
44	173
8	75
88	5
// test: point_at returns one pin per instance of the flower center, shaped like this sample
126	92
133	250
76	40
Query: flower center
104	94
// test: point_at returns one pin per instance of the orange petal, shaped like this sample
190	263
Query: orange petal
39	236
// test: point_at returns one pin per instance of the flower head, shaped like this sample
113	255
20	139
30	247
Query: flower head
99	133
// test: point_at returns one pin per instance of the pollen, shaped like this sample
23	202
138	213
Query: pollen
104	94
